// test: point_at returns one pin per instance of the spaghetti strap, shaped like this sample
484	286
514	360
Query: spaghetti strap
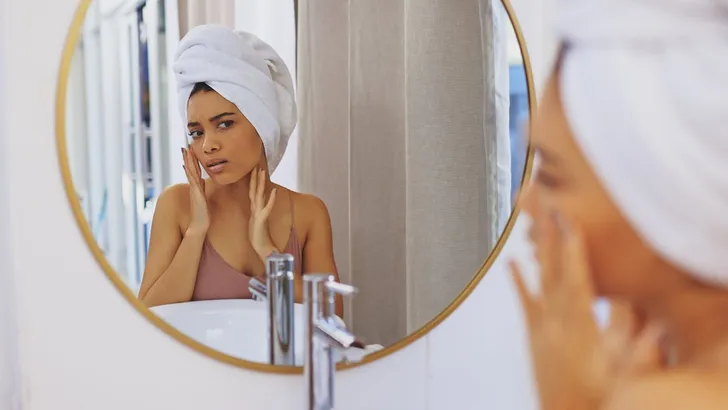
290	199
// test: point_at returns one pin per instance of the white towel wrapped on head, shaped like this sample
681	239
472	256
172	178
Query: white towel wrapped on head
245	71
644	86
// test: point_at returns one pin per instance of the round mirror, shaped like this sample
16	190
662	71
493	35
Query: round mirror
217	154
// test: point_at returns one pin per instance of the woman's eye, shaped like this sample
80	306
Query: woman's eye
194	134
546	180
226	124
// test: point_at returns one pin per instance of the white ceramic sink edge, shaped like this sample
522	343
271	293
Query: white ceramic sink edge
236	327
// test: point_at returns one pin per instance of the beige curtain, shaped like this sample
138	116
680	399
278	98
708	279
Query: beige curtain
193	13
394	105
495	29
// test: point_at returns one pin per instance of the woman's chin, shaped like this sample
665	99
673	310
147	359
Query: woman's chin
219	178
224	178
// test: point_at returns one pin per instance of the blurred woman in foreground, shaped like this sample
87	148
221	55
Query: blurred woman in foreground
630	202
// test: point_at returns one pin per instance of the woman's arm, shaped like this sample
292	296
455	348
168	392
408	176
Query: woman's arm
672	391
318	250
173	259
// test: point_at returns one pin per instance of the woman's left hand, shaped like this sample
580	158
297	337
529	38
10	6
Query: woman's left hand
258	232
577	365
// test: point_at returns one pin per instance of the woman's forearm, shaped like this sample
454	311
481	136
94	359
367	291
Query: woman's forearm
177	283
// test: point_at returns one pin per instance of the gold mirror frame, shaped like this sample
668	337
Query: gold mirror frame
68	51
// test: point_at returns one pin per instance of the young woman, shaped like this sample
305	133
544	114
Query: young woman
210	236
629	203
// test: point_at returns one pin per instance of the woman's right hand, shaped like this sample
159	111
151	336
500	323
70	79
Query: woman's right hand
577	365
200	220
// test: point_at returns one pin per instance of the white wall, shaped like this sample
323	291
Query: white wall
9	370
83	347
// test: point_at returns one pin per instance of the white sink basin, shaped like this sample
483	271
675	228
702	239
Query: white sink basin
238	328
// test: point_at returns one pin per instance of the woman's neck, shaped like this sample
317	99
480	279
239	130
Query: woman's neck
238	193
696	321
235	191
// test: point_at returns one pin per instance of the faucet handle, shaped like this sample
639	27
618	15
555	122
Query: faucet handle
258	289
334	288
340	289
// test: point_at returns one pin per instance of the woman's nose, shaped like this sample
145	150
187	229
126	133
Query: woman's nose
210	146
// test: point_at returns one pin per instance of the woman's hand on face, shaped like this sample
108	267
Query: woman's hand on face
200	221
576	364
259	212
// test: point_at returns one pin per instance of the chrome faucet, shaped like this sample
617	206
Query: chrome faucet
258	289
278	293
323	335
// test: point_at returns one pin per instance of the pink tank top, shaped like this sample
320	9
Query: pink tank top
216	279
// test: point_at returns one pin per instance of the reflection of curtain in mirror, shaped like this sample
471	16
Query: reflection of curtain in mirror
393	116
495	26
77	133
197	12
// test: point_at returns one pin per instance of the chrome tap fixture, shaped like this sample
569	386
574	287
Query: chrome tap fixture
258	289
278	293
323	335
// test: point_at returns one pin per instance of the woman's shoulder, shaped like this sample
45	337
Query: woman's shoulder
307	201
175	193
174	199
675	390
308	208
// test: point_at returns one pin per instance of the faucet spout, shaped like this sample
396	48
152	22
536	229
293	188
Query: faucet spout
279	290
334	335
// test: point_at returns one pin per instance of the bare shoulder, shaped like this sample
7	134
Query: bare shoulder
173	201
674	391
310	209
177	194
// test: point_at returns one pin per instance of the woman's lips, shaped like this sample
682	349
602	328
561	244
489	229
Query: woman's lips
217	168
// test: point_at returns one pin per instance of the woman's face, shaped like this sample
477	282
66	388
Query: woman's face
621	264
225	142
